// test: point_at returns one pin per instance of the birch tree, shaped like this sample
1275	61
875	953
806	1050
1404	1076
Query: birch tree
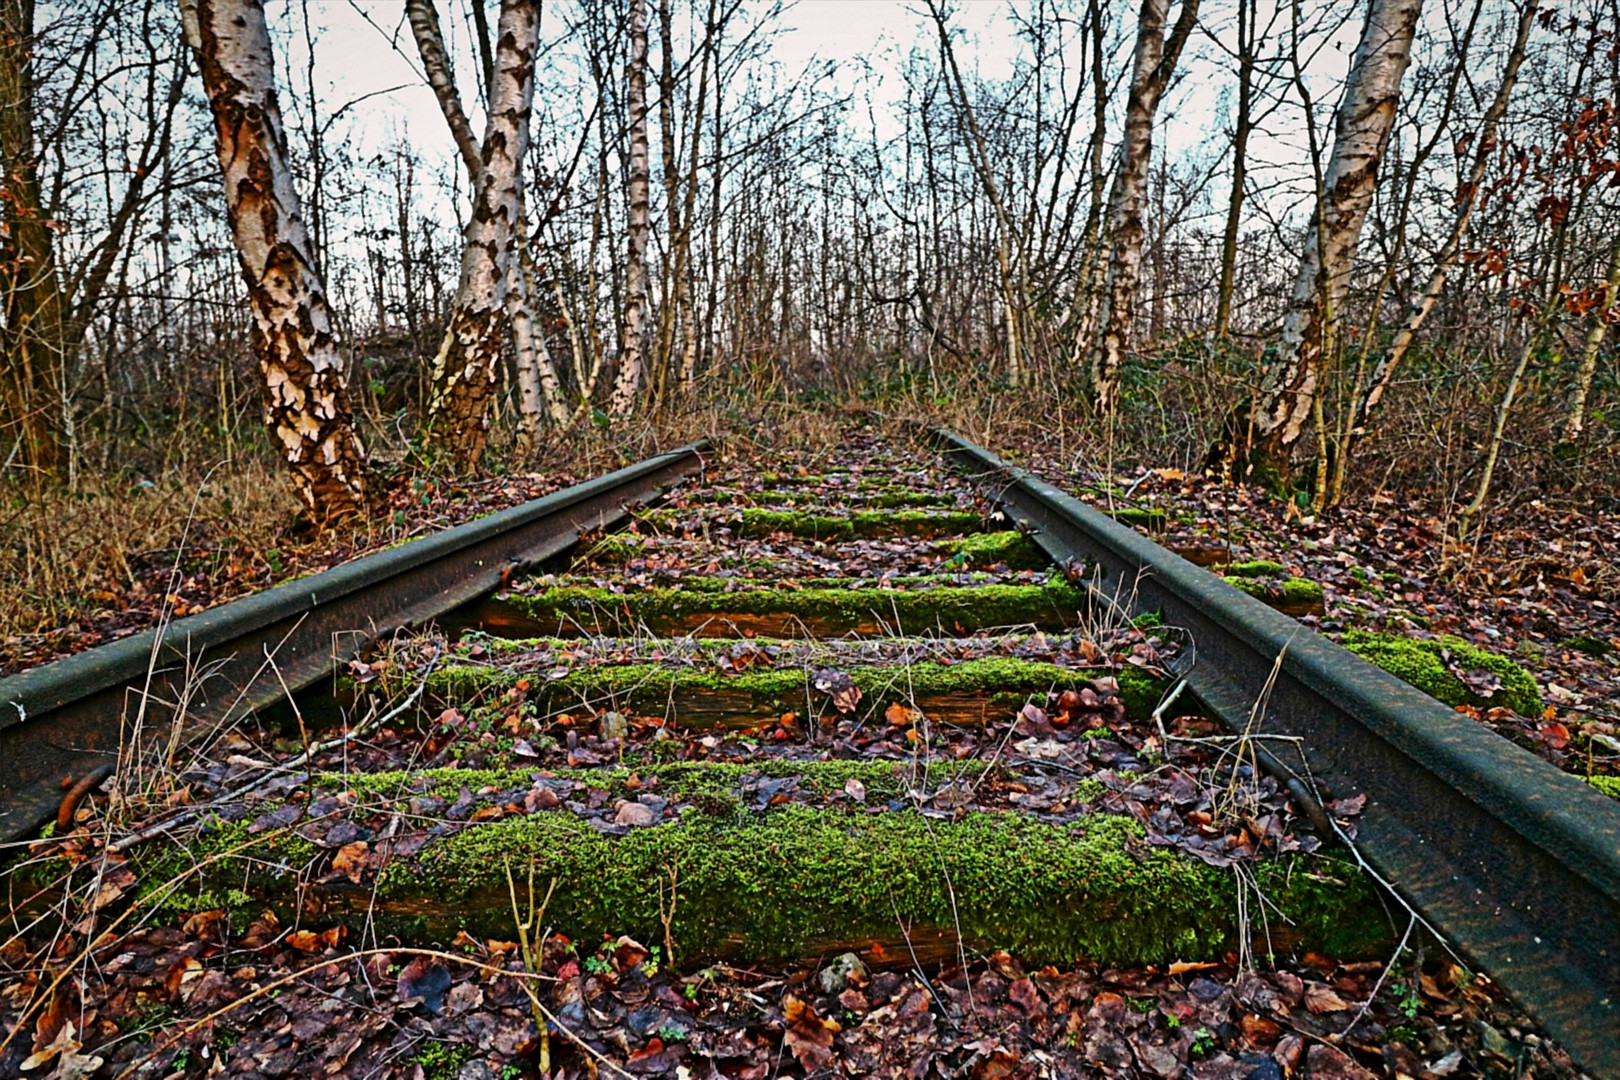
632	354
1366	113
1153	63
1604	313
539	392
467	367
1365	400
306	401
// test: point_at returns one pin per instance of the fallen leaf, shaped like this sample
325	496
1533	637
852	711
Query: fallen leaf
424	980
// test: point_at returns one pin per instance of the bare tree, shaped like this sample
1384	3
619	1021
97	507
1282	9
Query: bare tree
306	402
1155	61
466	369
1366	114
632	354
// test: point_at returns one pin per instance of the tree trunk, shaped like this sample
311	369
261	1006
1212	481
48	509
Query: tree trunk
1467	198
1246	14
306	403
632	358
468	363
1575	424
33	333
1152	66
1366	115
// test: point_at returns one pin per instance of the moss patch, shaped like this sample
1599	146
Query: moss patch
1292	595
756	522
778	884
1424	664
651	687
824	611
1609	785
1140	518
1256	568
686	779
1015	549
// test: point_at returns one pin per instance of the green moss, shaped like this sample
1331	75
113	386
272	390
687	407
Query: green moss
1609	785
1015	549
686	779
1591	646
615	550
1256	568
783	880
1420	664
908	498
650	687
1052	604
869	523
1141	518
441	1061
1291	594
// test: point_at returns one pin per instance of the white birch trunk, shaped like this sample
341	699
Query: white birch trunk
632	359
1361	135
1575	423
468	364
1467	198
306	402
1151	68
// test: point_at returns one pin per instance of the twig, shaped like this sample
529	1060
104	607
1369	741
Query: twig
163	827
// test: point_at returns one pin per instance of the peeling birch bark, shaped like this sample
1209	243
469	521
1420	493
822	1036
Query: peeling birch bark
1361	136
1154	62
632	358
1383	372
467	367
306	402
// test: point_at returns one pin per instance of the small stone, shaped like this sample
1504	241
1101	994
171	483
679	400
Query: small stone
845	969
635	814
613	726
476	1070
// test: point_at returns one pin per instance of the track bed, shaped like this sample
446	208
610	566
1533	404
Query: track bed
816	768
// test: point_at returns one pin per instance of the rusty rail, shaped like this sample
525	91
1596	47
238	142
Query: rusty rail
1512	860
67	720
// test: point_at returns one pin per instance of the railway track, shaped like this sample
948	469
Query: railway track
65	721
871	702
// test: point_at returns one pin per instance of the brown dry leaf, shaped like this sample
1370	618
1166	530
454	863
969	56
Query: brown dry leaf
1181	967
1322	999
808	1037
350	861
899	714
304	940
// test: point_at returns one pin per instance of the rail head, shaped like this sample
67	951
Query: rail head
1515	861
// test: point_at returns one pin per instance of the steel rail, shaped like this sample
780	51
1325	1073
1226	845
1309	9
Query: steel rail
63	721
1512	860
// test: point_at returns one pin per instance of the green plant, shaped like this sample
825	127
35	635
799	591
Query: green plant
1203	1042
440	1061
596	965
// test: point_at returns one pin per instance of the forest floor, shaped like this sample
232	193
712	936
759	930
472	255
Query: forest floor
815	645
